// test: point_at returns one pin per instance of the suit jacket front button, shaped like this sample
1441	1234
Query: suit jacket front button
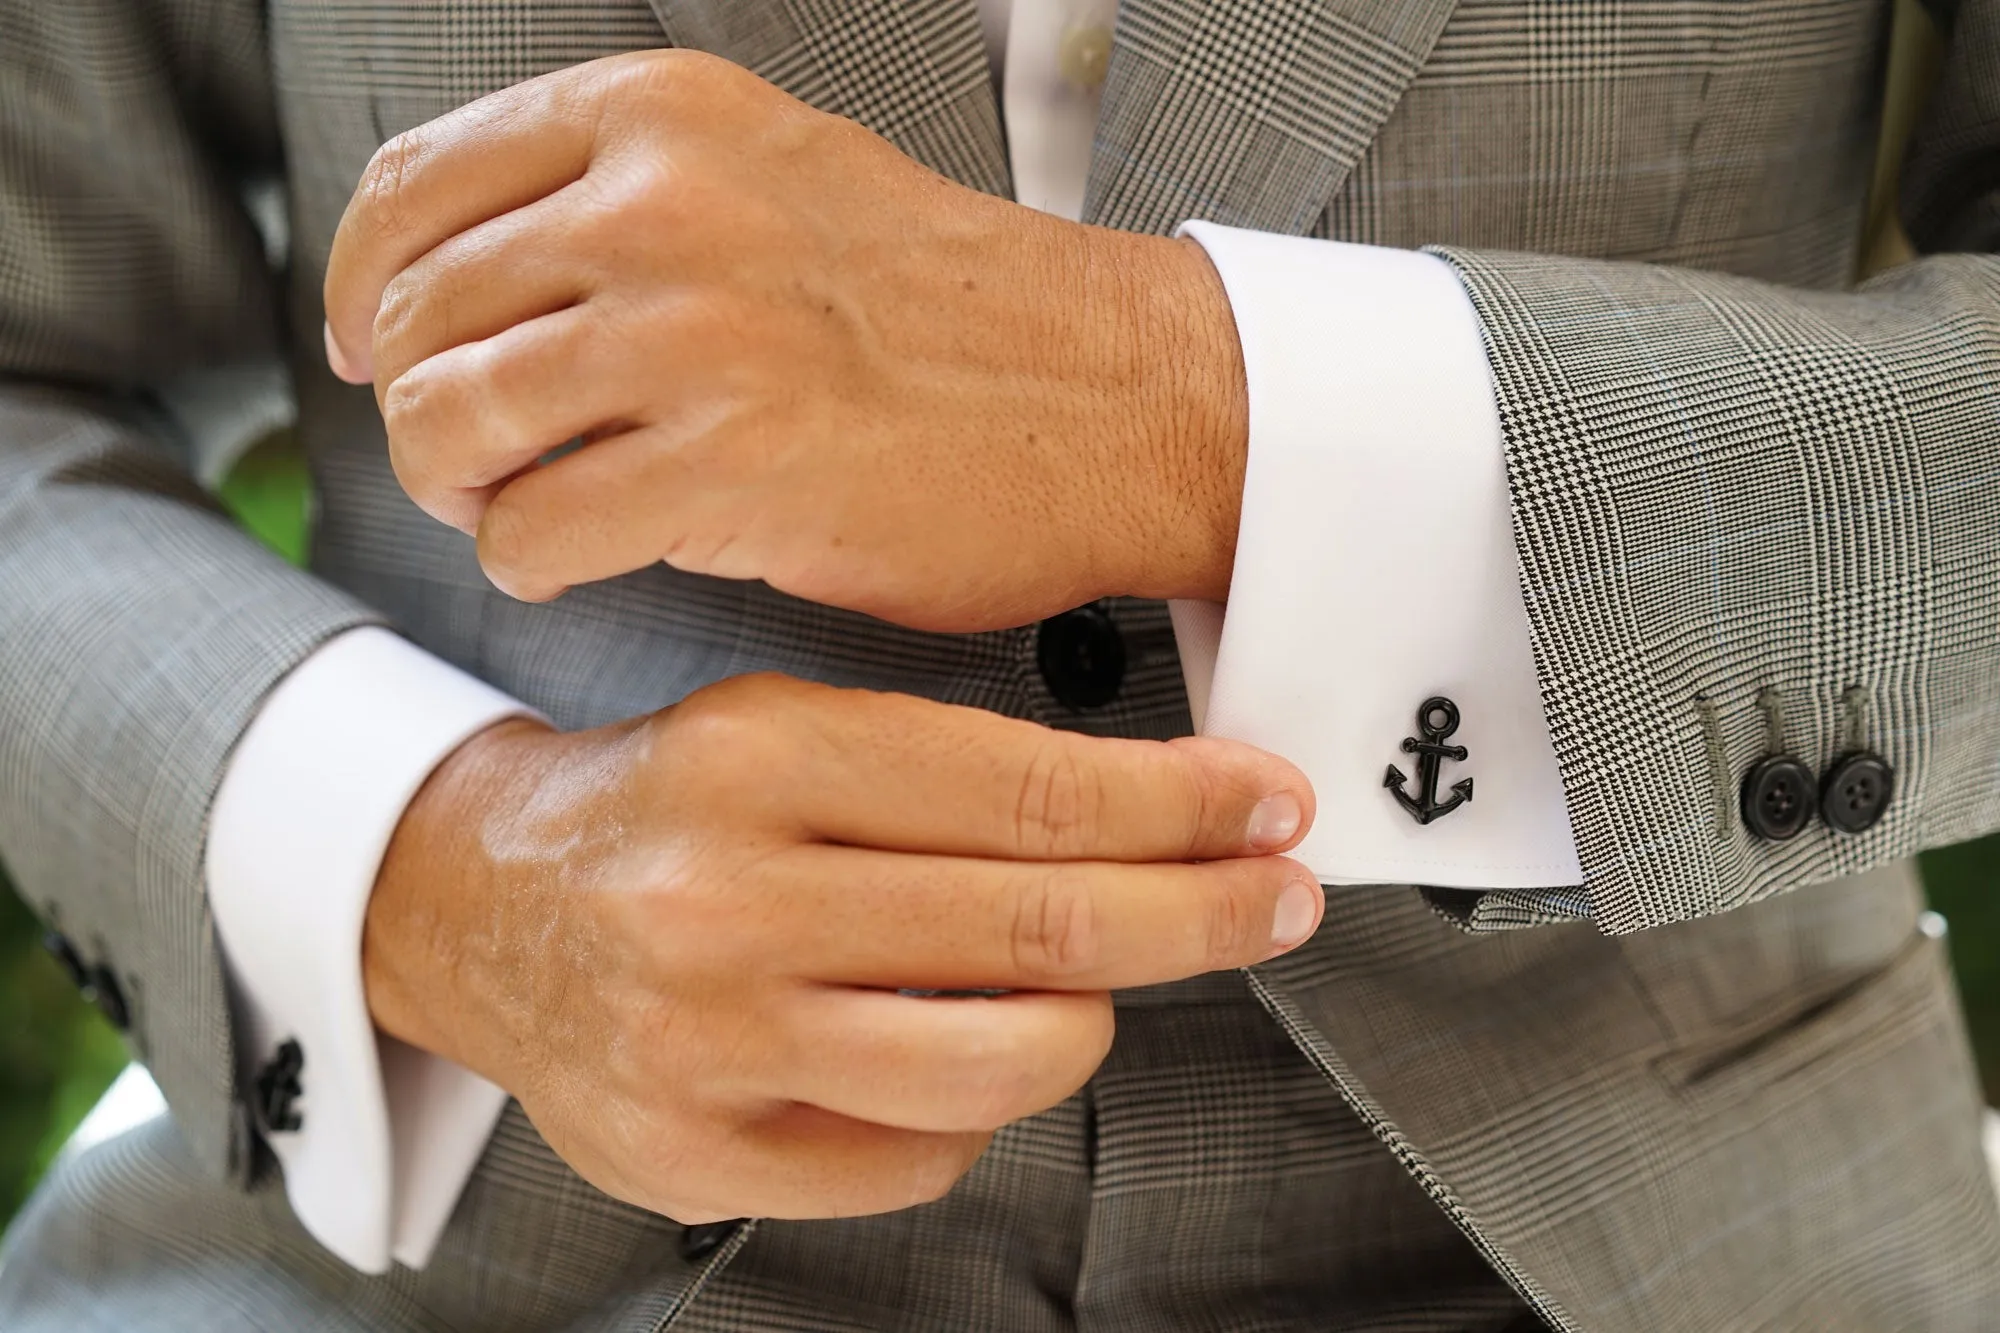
1857	791
1082	657
1778	797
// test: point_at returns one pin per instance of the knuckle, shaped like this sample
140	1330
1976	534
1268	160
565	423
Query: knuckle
721	715
730	731
425	401
397	313
508	533
1060	802
1208	808
1233	927
647	73
622	187
1055	933
383	181
408	305
412	406
1212	800
673	75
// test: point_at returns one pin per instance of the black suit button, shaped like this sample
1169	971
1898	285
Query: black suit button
67	958
1778	797
705	1238
110	998
1082	657
1856	792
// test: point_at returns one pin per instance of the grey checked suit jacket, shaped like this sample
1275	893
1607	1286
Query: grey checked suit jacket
1740	1101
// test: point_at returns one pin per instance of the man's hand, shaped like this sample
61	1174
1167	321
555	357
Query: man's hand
796	355
679	941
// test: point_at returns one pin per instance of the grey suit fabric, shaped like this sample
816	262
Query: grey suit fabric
1724	1105
1208	1177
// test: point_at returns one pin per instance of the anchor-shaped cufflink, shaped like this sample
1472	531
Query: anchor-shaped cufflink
1437	718
279	1090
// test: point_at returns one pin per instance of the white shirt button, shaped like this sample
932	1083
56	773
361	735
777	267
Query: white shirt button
1085	54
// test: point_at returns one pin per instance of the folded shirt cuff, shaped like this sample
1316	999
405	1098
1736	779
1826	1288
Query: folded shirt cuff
1375	569
304	813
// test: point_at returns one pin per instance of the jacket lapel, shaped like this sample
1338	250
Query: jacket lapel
914	71
1247	112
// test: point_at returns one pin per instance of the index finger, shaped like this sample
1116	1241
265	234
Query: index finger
901	774
860	917
426	185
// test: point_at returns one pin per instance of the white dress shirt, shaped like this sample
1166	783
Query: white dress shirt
1375	567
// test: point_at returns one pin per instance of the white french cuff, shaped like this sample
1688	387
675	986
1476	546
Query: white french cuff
387	1136
1375	569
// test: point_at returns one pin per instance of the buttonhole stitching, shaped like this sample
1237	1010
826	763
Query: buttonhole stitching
1771	700
1854	703
1718	763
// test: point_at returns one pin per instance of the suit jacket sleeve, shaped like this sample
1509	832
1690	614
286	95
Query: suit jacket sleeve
1722	488
139	629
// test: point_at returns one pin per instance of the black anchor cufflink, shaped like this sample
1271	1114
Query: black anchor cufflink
279	1089
1437	719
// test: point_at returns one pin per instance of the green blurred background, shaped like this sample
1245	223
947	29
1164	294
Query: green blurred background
57	1055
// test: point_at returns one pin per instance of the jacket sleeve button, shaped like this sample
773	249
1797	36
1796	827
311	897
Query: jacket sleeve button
1856	792
1778	797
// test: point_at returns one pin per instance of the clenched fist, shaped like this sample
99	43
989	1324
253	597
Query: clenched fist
791	352
681	941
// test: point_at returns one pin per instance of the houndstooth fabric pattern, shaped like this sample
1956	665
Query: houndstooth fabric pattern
1208	1177
1721	487
1247	114
1730	473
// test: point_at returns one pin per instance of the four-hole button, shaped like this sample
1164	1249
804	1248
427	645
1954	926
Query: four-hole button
1778	797
1856	792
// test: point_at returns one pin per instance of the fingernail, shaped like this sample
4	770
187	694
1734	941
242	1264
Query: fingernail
336	360
1275	821
1298	912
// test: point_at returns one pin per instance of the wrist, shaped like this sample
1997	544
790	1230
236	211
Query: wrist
429	924
1187	425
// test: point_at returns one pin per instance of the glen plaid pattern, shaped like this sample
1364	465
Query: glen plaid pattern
1247	114
1275	1211
1638	1133
915	74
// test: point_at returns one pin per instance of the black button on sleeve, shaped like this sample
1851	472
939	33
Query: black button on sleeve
1778	797
1082	657
67	958
705	1238
1856	793
109	997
